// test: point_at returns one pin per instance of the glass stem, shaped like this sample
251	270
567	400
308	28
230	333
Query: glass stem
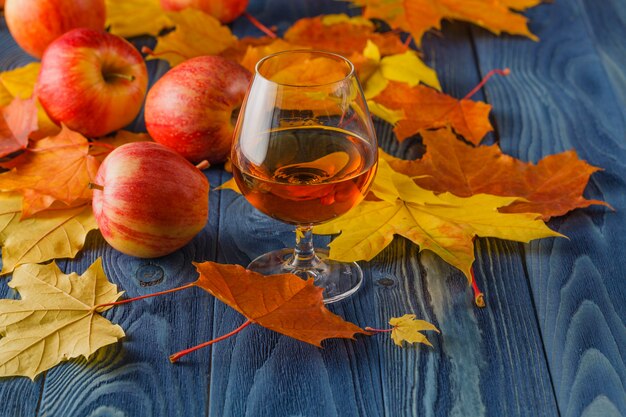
304	253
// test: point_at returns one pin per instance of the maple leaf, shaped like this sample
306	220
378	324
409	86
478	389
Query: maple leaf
444	224
196	34
419	16
237	51
424	108
54	233
128	18
20	83
406	67
55	320
552	187
17	121
342	34
407	329
57	168
255	52
283	303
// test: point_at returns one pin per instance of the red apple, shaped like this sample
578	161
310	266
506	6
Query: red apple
192	108
148	200
34	24
224	10
92	81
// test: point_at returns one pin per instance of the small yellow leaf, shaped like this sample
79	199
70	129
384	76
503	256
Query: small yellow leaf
128	18
231	184
51	234
407	329
20	82
388	115
196	34
406	68
55	320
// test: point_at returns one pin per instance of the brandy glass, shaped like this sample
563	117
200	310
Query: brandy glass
305	152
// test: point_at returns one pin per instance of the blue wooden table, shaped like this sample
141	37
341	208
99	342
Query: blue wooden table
551	341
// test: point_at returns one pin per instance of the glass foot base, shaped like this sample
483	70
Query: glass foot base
338	279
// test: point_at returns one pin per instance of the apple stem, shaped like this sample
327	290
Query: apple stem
130	300
479	297
94	186
491	73
204	164
148	51
260	25
113	75
176	356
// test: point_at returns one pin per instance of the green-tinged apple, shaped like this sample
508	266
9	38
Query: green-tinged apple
92	81
193	107
148	200
34	24
224	10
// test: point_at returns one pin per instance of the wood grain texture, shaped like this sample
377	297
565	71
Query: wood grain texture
562	98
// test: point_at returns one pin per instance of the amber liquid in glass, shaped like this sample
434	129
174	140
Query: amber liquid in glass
309	175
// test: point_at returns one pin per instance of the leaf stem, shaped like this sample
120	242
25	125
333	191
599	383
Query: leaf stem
130	300
260	25
479	297
176	356
372	329
482	82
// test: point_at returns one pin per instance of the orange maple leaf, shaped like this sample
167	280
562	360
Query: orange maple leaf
17	121
418	16
342	35
57	168
425	108
553	186
283	303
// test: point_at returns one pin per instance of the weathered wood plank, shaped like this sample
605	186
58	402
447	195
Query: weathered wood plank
559	99
606	26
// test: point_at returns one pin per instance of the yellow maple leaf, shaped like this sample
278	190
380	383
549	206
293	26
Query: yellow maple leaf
20	82
51	234
406	67
55	320
444	223
196	34
407	329
57	168
128	18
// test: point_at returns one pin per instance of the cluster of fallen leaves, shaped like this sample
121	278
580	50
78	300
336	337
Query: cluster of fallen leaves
58	316
456	191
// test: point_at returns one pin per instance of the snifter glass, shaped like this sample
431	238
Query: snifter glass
305	152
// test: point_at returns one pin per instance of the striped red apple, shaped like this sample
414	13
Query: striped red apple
34	24
92	81
193	107
148	200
